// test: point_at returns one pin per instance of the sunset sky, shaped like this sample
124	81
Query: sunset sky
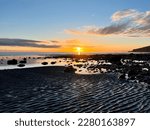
65	25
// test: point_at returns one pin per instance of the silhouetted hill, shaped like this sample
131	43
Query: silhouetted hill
143	49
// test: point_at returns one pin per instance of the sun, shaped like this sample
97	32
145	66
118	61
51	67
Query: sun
78	49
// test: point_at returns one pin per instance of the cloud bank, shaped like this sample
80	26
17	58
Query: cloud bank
27	43
128	22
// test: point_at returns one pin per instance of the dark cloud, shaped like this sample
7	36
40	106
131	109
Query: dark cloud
113	29
26	43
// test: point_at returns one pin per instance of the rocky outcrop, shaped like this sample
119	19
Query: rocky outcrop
69	69
143	49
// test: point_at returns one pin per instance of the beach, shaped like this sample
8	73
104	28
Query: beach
49	89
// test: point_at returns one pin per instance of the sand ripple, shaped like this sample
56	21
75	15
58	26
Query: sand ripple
49	89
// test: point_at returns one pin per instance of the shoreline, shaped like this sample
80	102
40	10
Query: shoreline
122	86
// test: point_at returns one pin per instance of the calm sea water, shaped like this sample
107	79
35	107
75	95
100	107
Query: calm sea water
37	60
43	54
28	53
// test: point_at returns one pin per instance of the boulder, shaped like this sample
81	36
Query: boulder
53	62
21	65
12	62
44	63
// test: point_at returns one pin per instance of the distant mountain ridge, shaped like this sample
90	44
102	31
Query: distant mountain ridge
142	49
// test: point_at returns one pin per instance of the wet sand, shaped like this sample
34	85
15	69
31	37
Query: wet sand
50	89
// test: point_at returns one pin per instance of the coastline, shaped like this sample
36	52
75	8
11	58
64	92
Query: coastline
76	84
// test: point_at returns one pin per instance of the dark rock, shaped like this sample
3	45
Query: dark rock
21	65
44	63
115	59
69	69
134	70
53	62
12	62
23	61
95	71
79	65
122	76
39	57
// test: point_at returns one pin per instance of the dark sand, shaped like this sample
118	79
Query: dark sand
49	89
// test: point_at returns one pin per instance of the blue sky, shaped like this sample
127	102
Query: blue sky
47	19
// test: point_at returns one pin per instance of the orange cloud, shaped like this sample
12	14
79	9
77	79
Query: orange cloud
69	45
